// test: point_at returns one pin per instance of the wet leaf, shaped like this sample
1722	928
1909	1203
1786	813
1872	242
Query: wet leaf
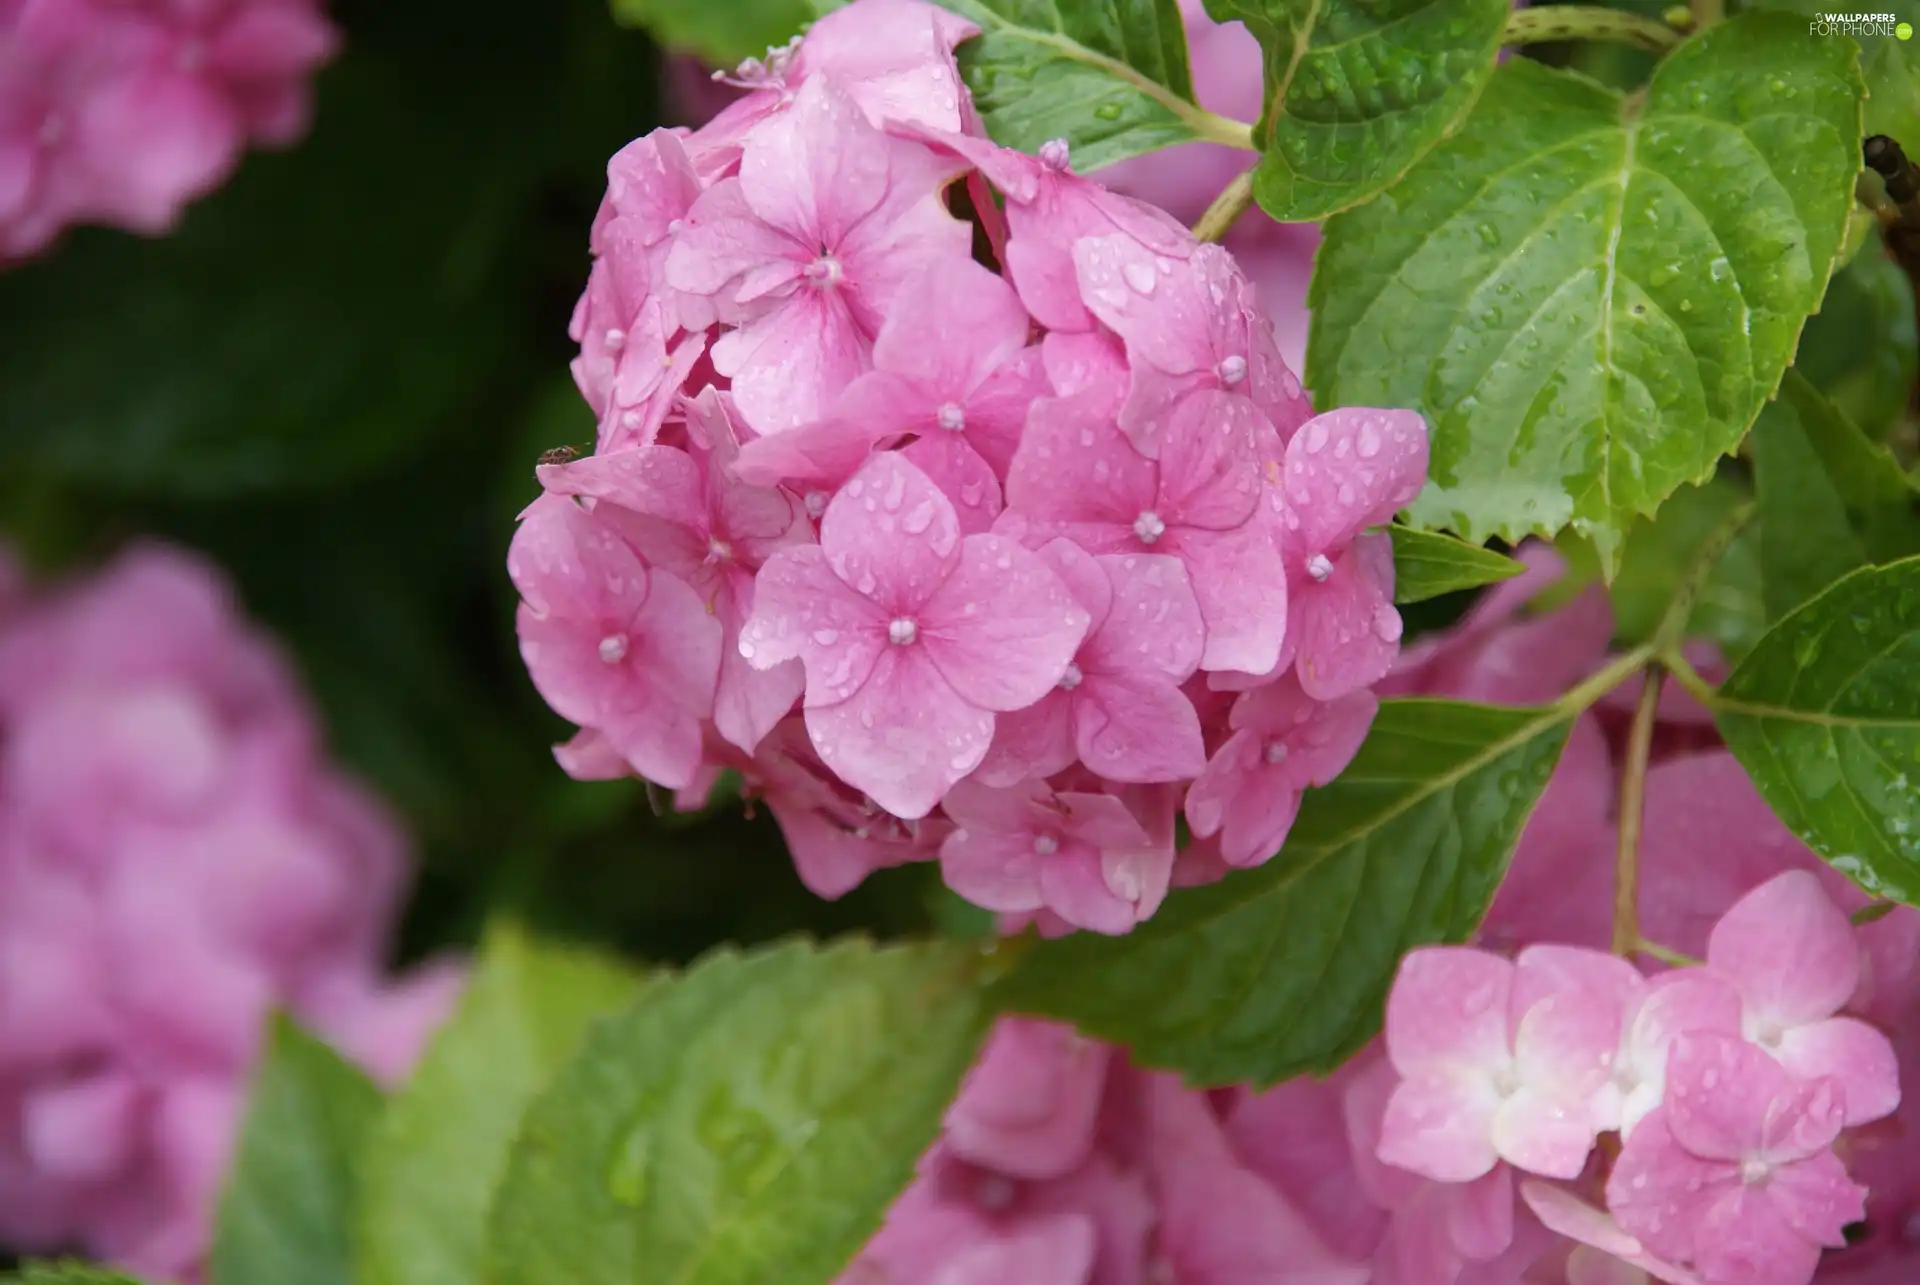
746	1123
1357	91
1823	714
1589	298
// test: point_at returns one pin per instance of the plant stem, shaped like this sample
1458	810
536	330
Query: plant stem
1604	680
1687	676
1581	22
1232	202
1633	799
1223	130
1666	954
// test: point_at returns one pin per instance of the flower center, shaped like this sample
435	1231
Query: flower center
816	502
902	630
1055	154
1148	526
1320	566
616	339
193	56
1045	845
1070	678
952	418
1276	752
825	272
1754	1173
1231	370
613	648
719	550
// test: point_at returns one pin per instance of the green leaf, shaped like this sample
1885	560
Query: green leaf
1861	349
720	35
748	1122
1109	76
1823	490
431	1165
68	1274
1426	565
286	1214
1357	91
1591	299
1824	717
1284	969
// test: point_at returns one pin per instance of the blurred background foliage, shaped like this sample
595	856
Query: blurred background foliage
334	379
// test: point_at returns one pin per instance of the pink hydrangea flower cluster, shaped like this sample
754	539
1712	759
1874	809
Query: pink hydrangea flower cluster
1537	1113
1755	1095
120	112
1044	555
1721	1090
176	860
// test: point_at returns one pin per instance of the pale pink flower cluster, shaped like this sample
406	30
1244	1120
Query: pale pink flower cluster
120	112
1750	1106
1044	554
176	860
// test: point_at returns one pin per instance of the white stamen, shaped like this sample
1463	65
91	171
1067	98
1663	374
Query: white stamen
825	271
952	418
1755	1172
902	630
613	648
1319	566
1148	526
719	550
1276	752
1231	369
1045	845
1070	679
1055	154
616	339
816	502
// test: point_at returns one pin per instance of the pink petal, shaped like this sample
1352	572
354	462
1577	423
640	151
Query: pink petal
946	352
1151	626
1058	1251
893	535
1566	1215
1566	1038
722	243
1544	971
1548	1131
1789	950
84	1130
660	481
1439	1124
1673	1004
1130	728
1349	632
1660	1192
750	701
1209	468
566	563
1028	1107
1449	1006
1817	1199
1074	885
1855	1054
816	170
1003	626
786	365
802	610
674	655
963	477
1744	1239
1241	586
905	737
1348	470
894	57
822	454
1729	1101
1033	742
1074	466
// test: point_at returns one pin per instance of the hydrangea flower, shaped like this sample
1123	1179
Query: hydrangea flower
177	859
986	518
122	114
